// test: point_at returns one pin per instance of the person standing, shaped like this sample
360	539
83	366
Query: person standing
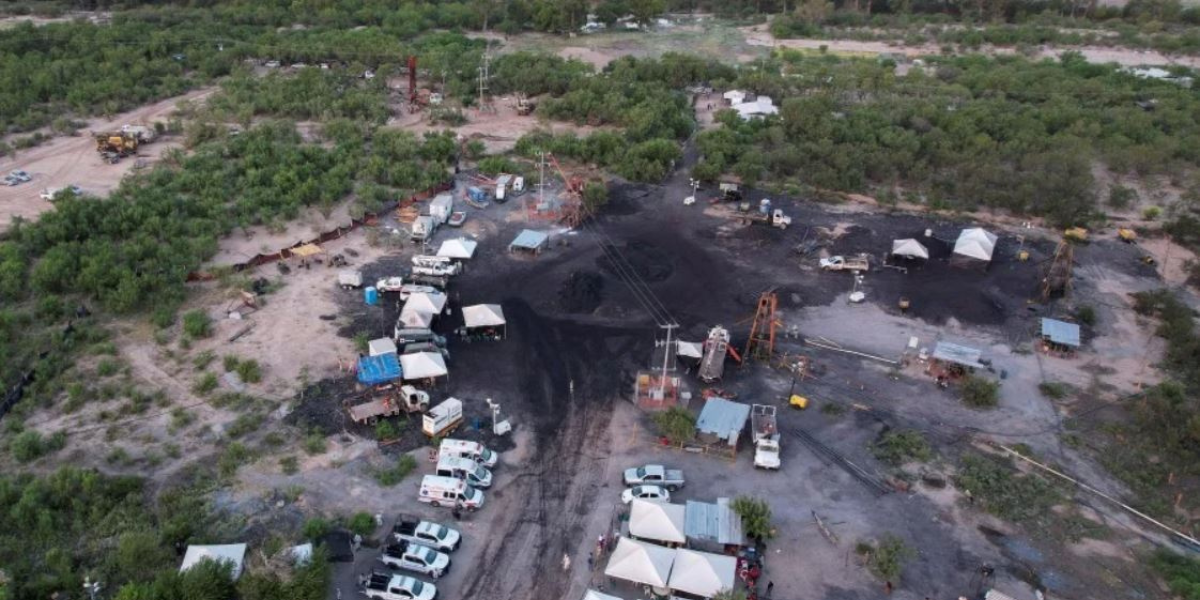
566	562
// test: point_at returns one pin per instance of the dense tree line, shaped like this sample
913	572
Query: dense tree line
58	528
967	132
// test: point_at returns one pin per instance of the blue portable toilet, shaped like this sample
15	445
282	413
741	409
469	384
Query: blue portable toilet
371	295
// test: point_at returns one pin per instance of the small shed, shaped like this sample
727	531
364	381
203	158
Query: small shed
423	365
733	97
374	370
714	525
1060	334
234	554
723	419
530	241
640	562
976	244
657	521
909	248
955	354
381	346
484	316
458	249
702	574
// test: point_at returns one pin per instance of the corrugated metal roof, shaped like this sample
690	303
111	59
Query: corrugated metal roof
723	418
1061	332
530	240
713	522
959	355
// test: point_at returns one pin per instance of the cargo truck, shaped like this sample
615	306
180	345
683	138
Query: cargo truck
766	437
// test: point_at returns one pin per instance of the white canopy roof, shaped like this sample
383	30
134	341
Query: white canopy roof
458	248
422	365
657	521
594	595
231	553
689	349
758	107
976	243
381	346
640	562
702	573
415	318
910	248
734	96
430	302
483	315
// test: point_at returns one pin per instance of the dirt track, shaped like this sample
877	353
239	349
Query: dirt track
65	161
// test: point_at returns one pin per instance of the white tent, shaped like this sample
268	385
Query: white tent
422	365
640	562
702	573
734	96
689	349
909	248
976	243
460	248
594	595
483	315
414	318
381	346
234	554
657	521
430	302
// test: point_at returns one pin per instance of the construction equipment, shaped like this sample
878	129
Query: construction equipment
1127	235
389	403
712	365
524	106
1076	234
1057	279
761	343
115	145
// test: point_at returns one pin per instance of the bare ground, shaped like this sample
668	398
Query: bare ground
499	130
64	161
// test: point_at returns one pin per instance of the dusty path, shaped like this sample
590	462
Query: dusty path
1126	57
65	161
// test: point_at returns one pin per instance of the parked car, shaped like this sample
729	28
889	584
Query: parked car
646	492
672	479
416	558
53	193
386	586
426	533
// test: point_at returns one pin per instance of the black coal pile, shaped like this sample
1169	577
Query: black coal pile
649	262
581	292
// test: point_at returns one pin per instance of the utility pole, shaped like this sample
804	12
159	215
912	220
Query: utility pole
662	383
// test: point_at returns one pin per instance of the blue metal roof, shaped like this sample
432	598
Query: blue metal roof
1061	332
714	522
530	240
723	418
374	370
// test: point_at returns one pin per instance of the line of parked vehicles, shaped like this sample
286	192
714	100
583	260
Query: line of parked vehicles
424	547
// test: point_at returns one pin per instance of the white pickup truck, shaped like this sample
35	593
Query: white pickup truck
416	558
672	479
843	263
385	586
426	533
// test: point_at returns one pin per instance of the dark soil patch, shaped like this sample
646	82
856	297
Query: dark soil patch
581	292
649	262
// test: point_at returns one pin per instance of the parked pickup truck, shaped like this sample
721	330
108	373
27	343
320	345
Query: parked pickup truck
672	479
386	586
843	263
416	558
426	533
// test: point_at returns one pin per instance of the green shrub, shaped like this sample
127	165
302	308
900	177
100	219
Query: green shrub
1086	315
289	465
898	447
1001	491
385	430
203	359
1151	213
230	362
30	445
1054	390
235	455
314	443
1181	573
361	523
207	383
886	559
756	517
197	324
979	392
676	424
389	477
315	528
106	368
249	371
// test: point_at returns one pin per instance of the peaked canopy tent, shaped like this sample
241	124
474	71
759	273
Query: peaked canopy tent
374	370
976	243
657	521
481	316
910	248
430	302
702	573
423	365
460	249
234	554
381	346
415	318
640	562
530	241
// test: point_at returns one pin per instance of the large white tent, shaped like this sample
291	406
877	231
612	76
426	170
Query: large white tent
594	595
414	318
702	573
976	243
657	521
909	248
483	315
640	562
234	554
430	302
460	248
422	365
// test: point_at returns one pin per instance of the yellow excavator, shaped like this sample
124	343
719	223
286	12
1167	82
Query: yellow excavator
113	146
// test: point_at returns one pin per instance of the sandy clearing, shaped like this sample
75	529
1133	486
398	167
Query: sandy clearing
499	130
588	55
66	161
1126	57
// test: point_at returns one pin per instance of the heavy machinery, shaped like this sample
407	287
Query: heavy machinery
524	106
115	145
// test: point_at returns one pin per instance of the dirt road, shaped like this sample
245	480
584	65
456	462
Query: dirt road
65	161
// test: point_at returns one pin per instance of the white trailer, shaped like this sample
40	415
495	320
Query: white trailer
440	208
423	228
443	418
766	437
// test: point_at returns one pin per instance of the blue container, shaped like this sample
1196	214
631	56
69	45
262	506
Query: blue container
371	295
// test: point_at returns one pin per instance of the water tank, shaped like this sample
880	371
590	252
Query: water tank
371	295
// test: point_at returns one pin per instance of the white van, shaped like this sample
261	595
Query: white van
464	468
448	491
472	450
